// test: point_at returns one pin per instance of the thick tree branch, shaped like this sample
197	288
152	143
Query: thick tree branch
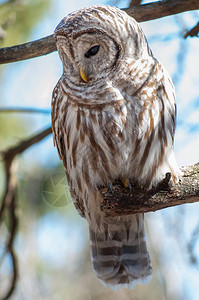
28	50
141	13
160	9
121	201
135	2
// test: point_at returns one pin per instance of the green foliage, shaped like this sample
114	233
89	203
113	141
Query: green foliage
18	18
12	130
45	189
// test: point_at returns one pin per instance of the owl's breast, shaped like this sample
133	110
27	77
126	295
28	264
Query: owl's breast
98	142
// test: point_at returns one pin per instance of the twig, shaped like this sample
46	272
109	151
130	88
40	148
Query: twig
24	110
124	202
141	13
23	145
193	32
8	157
14	274
9	201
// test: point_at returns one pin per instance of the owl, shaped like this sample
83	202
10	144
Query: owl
113	118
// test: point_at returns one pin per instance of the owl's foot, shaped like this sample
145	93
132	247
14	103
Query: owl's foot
110	187
126	183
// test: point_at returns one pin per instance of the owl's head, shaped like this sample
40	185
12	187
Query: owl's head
93	42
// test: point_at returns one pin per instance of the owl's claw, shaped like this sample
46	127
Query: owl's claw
126	183
110	187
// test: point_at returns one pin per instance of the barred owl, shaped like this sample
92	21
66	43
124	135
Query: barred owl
113	118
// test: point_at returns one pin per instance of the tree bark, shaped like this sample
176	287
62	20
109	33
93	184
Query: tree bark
160	9
28	50
123	201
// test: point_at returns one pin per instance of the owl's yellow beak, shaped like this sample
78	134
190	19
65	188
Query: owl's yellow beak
83	75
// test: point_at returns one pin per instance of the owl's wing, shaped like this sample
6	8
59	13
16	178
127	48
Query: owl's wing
59	136
56	128
155	128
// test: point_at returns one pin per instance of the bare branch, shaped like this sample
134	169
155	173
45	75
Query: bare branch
14	274
8	157
25	110
193	32
160	9
141	13
23	145
121	201
135	2
28	50
9	201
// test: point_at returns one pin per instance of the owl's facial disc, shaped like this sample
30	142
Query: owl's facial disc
95	54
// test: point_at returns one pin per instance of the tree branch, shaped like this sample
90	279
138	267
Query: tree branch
28	50
121	201
160	9
9	200
141	13
193	32
25	110
23	145
135	2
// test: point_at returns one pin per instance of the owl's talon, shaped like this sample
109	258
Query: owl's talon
110	187
126	183
130	187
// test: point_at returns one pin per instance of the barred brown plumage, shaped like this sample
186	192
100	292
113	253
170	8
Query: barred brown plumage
116	122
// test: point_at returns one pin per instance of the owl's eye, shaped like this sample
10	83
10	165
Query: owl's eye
92	51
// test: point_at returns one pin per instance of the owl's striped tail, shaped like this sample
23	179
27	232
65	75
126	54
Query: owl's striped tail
119	253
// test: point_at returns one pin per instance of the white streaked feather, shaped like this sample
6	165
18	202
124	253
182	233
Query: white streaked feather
135	80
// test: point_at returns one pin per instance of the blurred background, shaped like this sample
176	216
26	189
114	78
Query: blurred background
52	241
